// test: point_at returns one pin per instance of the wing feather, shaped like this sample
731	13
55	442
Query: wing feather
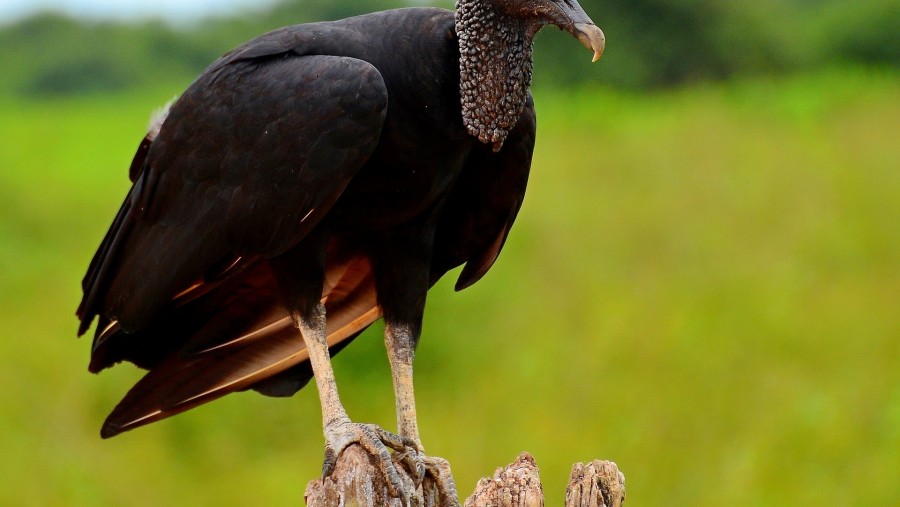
249	159
483	205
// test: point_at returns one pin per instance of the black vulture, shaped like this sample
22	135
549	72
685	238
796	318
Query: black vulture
331	169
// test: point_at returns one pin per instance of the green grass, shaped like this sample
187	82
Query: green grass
702	286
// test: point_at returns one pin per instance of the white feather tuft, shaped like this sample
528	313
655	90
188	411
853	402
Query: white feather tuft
157	118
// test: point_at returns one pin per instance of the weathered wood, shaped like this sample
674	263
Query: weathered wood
356	480
517	485
597	484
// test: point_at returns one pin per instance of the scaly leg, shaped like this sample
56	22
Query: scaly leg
400	342
340	432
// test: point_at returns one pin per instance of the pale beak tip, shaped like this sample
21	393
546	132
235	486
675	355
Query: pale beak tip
592	37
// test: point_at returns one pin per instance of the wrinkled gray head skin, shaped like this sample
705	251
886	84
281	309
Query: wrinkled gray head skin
495	41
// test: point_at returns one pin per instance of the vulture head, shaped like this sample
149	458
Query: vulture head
495	41
567	15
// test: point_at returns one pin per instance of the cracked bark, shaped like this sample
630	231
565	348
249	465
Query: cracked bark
356	481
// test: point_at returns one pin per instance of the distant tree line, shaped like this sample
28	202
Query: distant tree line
651	43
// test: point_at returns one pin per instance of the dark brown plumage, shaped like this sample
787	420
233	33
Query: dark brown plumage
338	167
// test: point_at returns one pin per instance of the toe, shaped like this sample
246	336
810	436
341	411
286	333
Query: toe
392	440
439	471
374	446
374	440
414	463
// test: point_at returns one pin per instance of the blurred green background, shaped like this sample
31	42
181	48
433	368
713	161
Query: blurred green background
702	286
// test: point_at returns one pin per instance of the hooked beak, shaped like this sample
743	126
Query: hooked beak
592	37
576	21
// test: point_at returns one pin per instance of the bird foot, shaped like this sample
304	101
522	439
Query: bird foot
430	472
376	441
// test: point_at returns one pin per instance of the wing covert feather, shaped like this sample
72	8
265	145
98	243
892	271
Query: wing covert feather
248	160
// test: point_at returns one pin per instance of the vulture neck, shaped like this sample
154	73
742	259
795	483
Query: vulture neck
494	69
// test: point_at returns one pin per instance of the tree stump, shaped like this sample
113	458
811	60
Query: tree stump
356	481
517	485
597	484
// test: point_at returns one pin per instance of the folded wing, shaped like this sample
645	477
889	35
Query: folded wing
249	159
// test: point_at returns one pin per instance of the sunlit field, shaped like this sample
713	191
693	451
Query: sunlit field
703	286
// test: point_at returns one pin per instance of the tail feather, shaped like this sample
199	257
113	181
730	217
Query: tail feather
178	385
262	344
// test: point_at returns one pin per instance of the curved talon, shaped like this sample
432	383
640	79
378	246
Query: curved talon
420	472
330	461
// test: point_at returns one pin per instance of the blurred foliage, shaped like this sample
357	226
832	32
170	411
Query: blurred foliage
651	43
